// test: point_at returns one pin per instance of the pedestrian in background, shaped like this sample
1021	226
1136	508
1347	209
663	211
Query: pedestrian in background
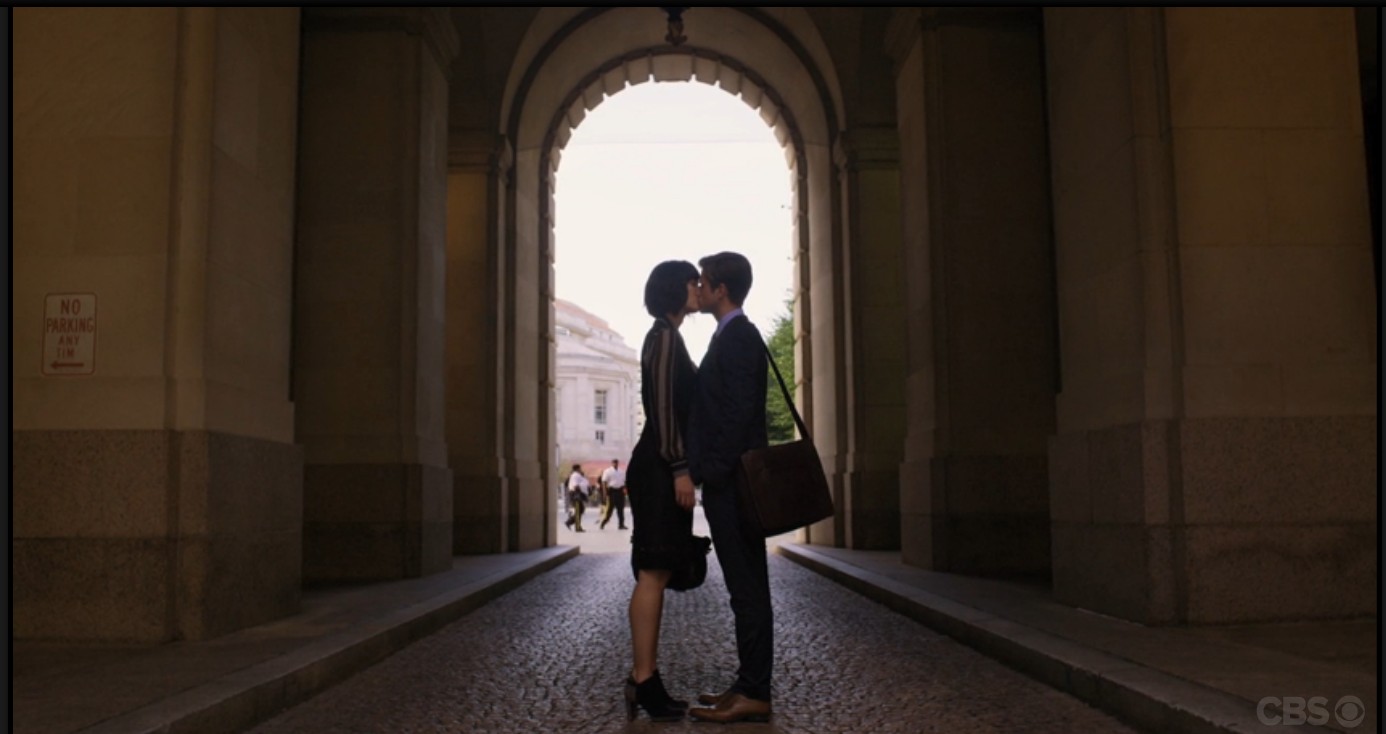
614	484
577	498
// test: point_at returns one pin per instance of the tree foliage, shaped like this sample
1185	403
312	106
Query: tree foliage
779	423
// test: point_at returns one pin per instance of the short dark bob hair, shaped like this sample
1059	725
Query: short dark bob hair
730	269
666	290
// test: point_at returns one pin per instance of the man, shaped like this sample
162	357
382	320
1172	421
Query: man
614	480
728	419
577	498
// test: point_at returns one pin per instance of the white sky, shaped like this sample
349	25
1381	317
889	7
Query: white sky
670	171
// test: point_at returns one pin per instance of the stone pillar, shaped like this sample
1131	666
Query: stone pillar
979	287
822	346
369	331
528	352
868	161
157	489
1216	447
478	171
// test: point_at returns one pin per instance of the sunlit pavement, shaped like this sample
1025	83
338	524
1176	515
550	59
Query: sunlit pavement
593	539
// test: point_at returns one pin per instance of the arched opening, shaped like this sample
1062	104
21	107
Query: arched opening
568	63
668	170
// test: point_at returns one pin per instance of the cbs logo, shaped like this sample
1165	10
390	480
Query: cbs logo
1296	710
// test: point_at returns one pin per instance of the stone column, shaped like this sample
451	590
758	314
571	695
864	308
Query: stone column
528	352
868	161
369	331
979	289
478	171
1216	448
822	345
157	488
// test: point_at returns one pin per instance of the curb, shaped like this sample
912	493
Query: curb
252	695
1145	698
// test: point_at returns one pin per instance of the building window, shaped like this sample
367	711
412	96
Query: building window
599	411
601	436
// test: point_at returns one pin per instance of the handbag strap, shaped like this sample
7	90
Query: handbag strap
788	400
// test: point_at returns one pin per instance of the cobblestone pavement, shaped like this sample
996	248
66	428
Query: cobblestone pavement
551	656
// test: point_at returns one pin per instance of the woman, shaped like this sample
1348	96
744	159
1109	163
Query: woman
659	488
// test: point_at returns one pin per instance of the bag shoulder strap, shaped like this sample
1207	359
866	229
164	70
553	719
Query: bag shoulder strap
788	399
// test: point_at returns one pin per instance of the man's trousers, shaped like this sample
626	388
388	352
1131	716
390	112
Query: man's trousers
742	556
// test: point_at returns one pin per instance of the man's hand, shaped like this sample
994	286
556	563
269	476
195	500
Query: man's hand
683	491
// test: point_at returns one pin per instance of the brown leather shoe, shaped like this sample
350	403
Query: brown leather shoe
712	699
732	708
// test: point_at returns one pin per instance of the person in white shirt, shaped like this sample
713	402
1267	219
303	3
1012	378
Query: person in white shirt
614	482
577	498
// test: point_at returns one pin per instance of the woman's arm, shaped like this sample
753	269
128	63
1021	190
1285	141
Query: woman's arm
666	418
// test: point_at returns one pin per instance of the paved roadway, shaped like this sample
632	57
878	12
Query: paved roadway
551	656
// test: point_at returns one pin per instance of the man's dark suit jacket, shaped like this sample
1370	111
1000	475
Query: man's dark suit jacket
728	415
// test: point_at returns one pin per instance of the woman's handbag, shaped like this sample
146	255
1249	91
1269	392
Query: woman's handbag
693	571
782	488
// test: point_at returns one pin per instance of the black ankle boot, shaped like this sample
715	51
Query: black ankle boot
651	696
669	700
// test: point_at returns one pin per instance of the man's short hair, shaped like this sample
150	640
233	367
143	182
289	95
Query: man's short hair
666	290
730	269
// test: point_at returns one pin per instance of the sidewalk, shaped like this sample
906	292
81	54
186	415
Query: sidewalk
1159	679
229	683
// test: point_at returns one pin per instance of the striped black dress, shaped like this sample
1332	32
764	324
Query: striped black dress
661	530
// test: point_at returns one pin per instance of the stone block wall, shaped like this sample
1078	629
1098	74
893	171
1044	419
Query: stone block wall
1216	425
157	495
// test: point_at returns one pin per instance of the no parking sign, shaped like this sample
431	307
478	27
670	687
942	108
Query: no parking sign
69	334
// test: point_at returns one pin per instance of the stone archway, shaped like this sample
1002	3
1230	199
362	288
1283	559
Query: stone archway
669	65
566	66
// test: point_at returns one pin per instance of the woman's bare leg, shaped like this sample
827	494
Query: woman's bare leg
646	608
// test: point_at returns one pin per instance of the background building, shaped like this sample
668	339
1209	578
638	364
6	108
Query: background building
597	408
